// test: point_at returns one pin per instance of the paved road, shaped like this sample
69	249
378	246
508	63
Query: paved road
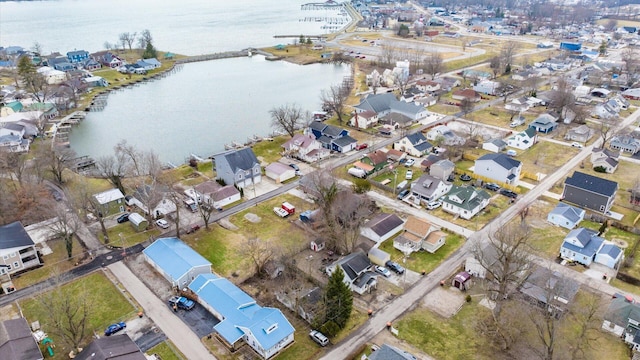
176	330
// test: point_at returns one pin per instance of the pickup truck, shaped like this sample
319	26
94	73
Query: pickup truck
280	212
181	302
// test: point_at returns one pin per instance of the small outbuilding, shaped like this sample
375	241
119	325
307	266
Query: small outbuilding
318	244
176	261
382	227
378	256
461	280
566	216
279	172
138	222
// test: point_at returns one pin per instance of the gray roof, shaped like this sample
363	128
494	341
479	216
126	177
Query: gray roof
317	125
16	341
416	138
498	142
503	160
344	140
377	102
225	192
569	212
426	185
621	310
383	223
592	183
331	130
611	250
14	127
445	164
116	347
14	235
582	235
388	352
543	282
470	196
396	118
354	264
243	159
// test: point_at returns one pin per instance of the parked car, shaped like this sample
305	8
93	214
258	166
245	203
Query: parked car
402	194
382	271
114	328
511	153
409	162
434	204
280	212
319	338
492	187
395	267
162	223
409	175
576	145
192	229
362	146
181	302
465	177
123	218
517	122
508	193
296	168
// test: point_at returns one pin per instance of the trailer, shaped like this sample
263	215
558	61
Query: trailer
290	209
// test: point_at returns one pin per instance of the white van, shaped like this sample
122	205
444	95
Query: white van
359	173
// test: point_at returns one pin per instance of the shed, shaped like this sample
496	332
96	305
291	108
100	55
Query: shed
138	222
279	172
318	244
461	280
176	261
378	256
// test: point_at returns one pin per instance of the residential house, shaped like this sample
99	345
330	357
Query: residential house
48	110
52	75
383	104
305	148
495	145
364	120
11	108
17	249
604	111
145	65
442	169
466	94
623	103
447	83
395	155
581	134
332	137
239	167
419	234
91	64
378	159
609	255
176	261
518	105
153	62
444	133
549	290
388	352
382	227
523	75
426	101
306	303
224	196
64	66
414	144
499	167
114	347
95	81
77	56
622	317
544	123
428	86
590	192
357	272
566	216
524	139
487	87
396	120
109	202
581	246
465	201
152	199
17	342
429	188
632	94
279	172
476	74
605	159
431	159
266	330
626	143
12	138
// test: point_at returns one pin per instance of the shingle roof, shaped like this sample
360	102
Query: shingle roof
354	264
108	196
620	310
317	125
416	138
174	257
344	141
589	244
571	213
331	130
225	192
14	235
16	341
383	223
116	347
388	352
242	159
377	102
503	160
592	183
470	196
610	250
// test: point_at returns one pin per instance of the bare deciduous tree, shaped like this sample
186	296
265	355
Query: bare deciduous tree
335	99
114	168
14	164
259	252
57	161
433	64
509	50
466	106
495	65
127	38
64	226
586	317
288	118
606	131
351	211
387	55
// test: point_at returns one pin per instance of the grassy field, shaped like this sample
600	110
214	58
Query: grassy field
108	305
269	151
422	260
444	109
546	157
167	351
125	235
463	63
300	54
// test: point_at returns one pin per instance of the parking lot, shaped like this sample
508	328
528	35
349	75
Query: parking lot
198	319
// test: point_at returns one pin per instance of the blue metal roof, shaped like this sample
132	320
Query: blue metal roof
240	312
174	257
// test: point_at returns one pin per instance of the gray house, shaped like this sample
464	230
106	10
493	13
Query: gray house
626	143
17	249
357	272
16	341
429	188
442	169
239	167
499	167
590	191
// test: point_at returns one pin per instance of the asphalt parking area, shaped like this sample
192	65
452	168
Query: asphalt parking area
199	320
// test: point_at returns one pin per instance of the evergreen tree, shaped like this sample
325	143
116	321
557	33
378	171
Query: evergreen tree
338	300
26	69
149	51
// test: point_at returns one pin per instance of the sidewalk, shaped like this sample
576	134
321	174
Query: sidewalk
179	333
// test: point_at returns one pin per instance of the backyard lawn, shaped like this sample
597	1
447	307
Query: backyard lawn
422	260
546	157
167	351
269	151
125	235
107	305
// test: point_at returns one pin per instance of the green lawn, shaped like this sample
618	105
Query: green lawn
444	109
546	241
463	63
357	318
167	351
422	260
269	151
545	157
108	305
130	236
219	246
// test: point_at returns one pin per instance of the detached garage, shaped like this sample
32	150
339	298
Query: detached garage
176	261
279	172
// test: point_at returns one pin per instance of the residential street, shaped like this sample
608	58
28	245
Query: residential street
175	329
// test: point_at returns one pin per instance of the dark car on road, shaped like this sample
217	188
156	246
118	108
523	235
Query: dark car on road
492	187
114	328
193	228
181	302
123	218
403	193
508	193
395	267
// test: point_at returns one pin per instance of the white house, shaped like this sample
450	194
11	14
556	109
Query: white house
622	317
364	120
414	144
445	133
494	145
566	216
465	201
523	140
609	255
382	227
487	87
499	167
581	245
305	148
429	188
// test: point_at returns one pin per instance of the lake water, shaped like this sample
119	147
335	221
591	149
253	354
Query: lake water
200	108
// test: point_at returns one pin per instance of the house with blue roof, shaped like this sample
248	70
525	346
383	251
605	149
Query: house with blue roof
266	330
499	167
544	123
566	216
581	245
332	137
77	56
415	144
176	261
609	255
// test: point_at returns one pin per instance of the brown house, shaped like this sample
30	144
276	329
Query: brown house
468	94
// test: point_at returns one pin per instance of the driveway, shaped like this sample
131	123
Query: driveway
176	330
